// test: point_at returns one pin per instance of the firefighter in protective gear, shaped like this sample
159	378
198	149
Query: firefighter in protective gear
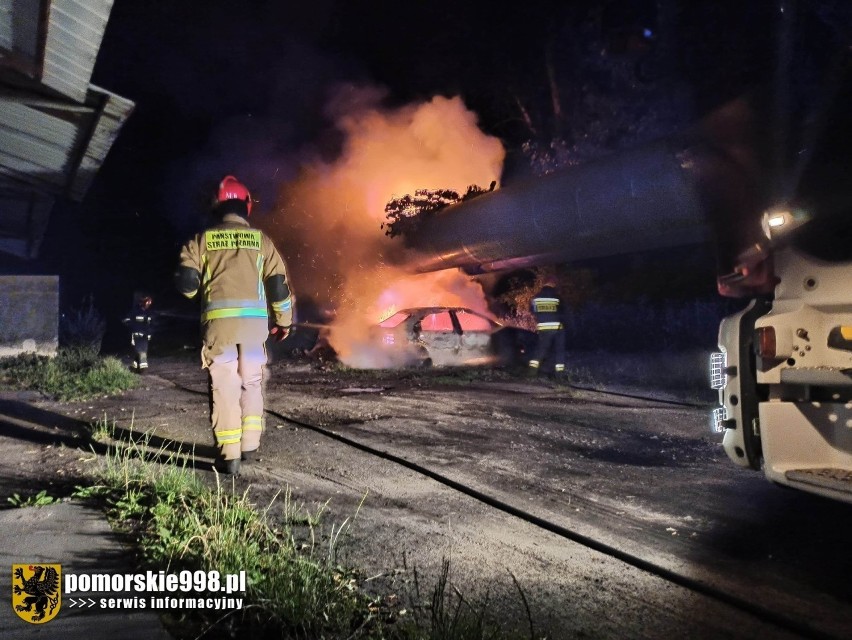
546	307
140	322
241	280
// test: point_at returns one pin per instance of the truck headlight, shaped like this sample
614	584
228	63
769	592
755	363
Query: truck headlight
780	222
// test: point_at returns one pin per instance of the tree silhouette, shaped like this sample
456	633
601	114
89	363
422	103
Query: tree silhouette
405	214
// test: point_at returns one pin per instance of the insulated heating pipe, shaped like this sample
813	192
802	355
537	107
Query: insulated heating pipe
637	200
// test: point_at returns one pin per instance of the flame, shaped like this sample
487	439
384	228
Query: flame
329	219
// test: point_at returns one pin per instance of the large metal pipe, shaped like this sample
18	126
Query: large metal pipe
638	200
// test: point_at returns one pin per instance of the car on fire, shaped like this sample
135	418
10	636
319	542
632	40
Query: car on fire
451	336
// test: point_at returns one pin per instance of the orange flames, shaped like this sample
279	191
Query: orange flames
329	220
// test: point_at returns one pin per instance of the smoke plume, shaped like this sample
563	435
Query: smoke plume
328	222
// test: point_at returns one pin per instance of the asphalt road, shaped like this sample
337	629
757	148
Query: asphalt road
643	477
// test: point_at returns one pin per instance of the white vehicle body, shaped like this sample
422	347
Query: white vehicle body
784	376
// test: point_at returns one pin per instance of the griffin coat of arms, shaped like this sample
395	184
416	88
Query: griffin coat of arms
37	599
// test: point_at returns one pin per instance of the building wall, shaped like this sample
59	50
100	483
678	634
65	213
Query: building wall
29	314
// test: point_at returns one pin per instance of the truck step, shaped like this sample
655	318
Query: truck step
836	479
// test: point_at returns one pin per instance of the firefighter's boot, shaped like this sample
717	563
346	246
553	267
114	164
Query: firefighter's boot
227	467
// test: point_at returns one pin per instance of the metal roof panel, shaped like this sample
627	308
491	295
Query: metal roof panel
49	157
114	112
55	145
74	33
36	123
51	145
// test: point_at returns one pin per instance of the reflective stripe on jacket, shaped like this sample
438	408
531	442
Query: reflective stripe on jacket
234	261
217	309
546	309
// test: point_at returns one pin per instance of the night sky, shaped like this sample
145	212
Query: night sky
244	88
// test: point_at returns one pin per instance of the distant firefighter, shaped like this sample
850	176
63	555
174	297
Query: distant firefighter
140	322
241	279
547	309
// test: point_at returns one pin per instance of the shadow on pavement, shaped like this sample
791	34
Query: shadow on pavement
24	422
792	529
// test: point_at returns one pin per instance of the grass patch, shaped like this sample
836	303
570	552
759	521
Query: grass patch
75	373
296	588
451	616
40	499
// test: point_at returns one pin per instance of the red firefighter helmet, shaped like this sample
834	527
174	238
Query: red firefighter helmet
232	189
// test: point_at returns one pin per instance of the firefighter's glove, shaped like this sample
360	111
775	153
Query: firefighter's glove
279	333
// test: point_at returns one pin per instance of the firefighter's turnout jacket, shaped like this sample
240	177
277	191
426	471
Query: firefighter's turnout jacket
240	278
546	307
234	267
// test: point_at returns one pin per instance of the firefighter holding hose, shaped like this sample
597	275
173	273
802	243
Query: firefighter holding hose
242	282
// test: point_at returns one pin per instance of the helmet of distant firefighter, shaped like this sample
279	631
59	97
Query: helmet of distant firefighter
233	197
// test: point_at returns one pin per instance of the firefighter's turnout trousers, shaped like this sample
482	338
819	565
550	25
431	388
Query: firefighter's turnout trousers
139	321
550	343
140	350
236	394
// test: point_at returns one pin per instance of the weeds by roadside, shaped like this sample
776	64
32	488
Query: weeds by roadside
296	586
296	589
82	326
76	373
452	617
40	499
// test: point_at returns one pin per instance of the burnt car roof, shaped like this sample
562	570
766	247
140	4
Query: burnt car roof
439	309
426	310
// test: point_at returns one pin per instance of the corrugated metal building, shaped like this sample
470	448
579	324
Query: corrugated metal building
56	128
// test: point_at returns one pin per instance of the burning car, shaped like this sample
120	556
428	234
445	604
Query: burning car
451	336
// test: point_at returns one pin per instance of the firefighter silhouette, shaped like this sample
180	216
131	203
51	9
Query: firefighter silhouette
140	323
546	307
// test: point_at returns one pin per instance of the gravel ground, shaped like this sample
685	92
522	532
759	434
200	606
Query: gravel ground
643	476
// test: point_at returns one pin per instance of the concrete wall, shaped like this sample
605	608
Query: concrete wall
29	314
